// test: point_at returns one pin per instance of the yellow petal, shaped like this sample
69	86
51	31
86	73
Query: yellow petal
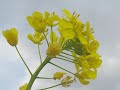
88	26
53	37
93	46
67	13
47	15
85	66
36	38
92	74
61	40
58	75
30	20
82	39
54	49
11	36
83	81
24	87
64	24
37	14
94	60
66	81
68	34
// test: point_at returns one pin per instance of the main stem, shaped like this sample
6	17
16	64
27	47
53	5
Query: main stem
34	76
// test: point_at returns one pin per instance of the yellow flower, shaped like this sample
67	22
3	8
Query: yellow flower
36	38
66	81
88	32
58	75
52	20
85	66
71	17
92	74
23	87
66	29
67	13
93	46
54	49
37	21
94	60
84	76
53	37
11	36
81	79
82	39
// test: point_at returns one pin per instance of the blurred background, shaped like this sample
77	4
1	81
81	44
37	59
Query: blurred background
104	16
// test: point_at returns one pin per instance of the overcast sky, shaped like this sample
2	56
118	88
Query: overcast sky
104	16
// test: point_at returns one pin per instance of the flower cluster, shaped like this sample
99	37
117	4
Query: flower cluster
69	40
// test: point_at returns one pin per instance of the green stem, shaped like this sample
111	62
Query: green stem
39	54
23	60
69	55
57	85
52	34
70	50
61	68
62	41
65	57
44	78
50	87
46	39
34	76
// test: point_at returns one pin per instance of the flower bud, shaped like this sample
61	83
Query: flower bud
58	75
54	49
11	36
23	87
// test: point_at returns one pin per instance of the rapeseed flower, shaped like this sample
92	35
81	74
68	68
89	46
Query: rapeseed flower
11	36
51	19
55	47
36	38
24	87
58	75
37	21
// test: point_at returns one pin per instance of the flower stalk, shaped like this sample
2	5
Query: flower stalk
44	78
61	68
39	54
23	60
34	76
46	39
50	87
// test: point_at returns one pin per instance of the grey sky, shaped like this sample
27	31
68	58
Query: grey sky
104	16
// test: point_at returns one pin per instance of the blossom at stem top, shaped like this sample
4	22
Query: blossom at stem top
11	36
51	19
71	27
37	21
55	47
